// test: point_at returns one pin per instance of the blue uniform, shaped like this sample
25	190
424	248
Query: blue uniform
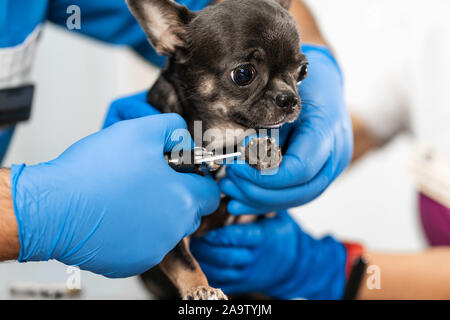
109	21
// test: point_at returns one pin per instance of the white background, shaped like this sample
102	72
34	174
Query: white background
374	202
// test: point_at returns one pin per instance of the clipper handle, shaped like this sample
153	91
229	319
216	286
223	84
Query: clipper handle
182	162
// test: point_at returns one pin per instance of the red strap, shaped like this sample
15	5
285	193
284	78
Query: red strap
354	251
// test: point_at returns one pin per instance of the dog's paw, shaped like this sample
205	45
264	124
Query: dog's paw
204	293
263	153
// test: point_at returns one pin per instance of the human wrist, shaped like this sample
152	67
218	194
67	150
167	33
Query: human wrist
309	30
23	209
287	287
9	238
30	195
319	271
354	269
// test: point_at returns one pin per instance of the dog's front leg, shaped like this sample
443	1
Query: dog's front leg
185	273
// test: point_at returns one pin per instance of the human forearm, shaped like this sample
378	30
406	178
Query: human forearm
310	33
423	275
363	139
309	30
9	238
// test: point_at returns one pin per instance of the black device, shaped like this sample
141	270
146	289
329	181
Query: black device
15	104
198	159
356	276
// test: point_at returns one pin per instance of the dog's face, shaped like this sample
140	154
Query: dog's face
238	62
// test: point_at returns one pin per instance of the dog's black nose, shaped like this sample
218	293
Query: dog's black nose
286	100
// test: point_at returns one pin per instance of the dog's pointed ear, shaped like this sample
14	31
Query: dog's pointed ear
165	23
284	3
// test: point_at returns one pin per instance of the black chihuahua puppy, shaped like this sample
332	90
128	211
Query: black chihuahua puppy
234	65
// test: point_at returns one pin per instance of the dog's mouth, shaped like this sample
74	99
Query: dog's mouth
287	118
274	125
271	121
270	125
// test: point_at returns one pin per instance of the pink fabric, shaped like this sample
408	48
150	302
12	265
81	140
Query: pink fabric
435	221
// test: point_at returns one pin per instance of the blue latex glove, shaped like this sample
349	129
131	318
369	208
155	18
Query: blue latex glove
319	146
110	203
6	133
272	256
130	107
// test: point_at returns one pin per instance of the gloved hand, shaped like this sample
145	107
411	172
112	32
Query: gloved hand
319	146
110	203
272	256
127	108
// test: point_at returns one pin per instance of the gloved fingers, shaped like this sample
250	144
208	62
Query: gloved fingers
269	200
239	204
247	235
239	208
127	108
204	191
271	224
195	224
230	280
279	220
309	147
323	71
168	130
345	145
225	257
234	287
175	133
219	276
285	132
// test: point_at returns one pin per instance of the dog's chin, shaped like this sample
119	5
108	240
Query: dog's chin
269	124
272	125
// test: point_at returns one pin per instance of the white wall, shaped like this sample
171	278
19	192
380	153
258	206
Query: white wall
373	203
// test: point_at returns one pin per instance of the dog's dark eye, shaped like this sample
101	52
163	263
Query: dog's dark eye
302	73
243	75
